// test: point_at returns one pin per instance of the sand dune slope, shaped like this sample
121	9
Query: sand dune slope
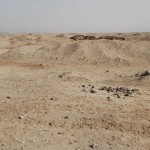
27	48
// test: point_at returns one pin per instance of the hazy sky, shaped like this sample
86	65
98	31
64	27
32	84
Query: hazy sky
74	15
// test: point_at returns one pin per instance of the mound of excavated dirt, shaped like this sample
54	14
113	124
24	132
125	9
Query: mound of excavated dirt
44	48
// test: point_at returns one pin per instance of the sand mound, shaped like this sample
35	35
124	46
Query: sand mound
138	37
45	48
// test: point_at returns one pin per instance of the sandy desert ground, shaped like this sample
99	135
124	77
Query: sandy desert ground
57	93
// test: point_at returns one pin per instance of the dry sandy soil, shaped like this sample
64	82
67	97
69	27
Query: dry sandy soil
55	95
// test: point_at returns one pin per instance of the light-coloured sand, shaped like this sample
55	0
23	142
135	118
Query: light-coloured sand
46	101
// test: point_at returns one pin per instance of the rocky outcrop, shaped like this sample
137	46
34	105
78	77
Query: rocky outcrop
112	38
83	37
142	75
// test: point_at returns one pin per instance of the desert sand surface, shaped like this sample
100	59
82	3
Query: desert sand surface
63	93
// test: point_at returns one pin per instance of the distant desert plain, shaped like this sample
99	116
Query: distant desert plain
75	91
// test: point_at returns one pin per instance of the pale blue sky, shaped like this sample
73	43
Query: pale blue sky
74	15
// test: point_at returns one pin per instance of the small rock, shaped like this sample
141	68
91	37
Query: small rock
60	76
126	94
93	91
146	73
103	88
53	99
50	124
118	96
108	90
92	87
66	117
108	98
20	117
8	97
93	145
83	86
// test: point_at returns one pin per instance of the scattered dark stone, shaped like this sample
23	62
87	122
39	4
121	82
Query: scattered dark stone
145	73
83	86
92	87
140	76
93	145
108	98
108	90
66	117
93	91
61	133
103	88
51	99
126	94
117	94
50	124
60	76
8	97
118	90
20	117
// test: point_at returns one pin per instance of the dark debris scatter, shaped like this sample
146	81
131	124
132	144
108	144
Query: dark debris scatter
116	90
